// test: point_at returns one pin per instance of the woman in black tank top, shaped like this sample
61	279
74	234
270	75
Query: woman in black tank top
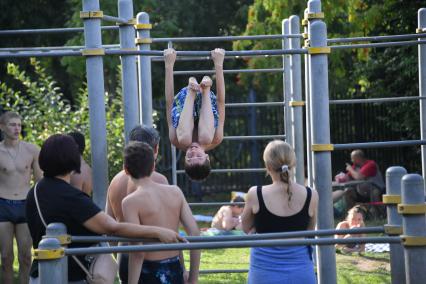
282	206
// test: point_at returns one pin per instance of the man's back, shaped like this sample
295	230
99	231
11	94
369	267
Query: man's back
156	205
121	186
83	180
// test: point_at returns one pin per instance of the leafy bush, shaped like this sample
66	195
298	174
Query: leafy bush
45	111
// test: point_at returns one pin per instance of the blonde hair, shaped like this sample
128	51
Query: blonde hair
5	117
355	210
279	157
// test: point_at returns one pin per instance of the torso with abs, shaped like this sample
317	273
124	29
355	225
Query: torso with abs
15	171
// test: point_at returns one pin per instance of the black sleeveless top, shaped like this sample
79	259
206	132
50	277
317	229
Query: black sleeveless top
267	222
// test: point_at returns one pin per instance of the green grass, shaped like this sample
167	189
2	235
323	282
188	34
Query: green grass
372	268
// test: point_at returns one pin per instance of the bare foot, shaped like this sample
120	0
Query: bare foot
206	83
193	86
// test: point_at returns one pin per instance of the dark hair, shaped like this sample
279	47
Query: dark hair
143	133
79	139
198	172
138	159
237	199
59	156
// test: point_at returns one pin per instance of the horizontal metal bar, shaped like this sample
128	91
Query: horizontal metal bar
224	38
152	53
379	144
221	171
114	19
50	31
379	44
43	48
208	204
265	236
229	71
229	244
376	100
263	104
39	54
217	271
257	137
204	58
376	38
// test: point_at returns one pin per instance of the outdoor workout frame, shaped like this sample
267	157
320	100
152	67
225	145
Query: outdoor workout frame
405	229
137	91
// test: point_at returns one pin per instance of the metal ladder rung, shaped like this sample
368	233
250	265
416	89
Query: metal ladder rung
254	137
220	171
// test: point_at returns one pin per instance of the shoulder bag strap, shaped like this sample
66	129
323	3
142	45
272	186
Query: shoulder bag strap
45	225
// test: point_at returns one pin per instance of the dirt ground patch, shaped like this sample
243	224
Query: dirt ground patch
365	263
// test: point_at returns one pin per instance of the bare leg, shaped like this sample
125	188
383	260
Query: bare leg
337	195
206	128
350	197
186	121
24	242
6	251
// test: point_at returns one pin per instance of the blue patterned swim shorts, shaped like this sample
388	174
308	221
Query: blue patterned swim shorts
179	101
167	271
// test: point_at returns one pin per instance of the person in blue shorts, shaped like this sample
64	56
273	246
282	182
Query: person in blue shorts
195	115
283	206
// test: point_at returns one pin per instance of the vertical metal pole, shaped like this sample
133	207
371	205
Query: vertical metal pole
95	87
326	257
50	270
422	87
254	152
59	231
174	174
393	188
286	83
296	93
145	84
308	114
414	227
129	76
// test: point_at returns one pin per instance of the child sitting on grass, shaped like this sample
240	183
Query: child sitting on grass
355	219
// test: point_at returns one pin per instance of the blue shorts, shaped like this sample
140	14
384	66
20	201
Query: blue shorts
166	271
179	102
12	211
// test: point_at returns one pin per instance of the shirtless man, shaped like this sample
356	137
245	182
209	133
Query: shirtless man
82	180
229	217
158	205
121	185
18	160
195	116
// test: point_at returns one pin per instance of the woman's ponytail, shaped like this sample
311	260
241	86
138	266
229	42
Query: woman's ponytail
285	178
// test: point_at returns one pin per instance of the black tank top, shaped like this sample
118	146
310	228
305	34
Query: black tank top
267	222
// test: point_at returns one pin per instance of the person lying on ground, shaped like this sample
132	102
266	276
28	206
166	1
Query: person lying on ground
229	217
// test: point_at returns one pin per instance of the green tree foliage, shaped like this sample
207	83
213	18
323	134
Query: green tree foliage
35	14
169	19
45	111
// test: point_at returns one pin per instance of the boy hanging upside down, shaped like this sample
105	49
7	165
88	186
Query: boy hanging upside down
195	116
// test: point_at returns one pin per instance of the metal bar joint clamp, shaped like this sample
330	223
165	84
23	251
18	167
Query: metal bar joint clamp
391	199
48	254
91	14
412	209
